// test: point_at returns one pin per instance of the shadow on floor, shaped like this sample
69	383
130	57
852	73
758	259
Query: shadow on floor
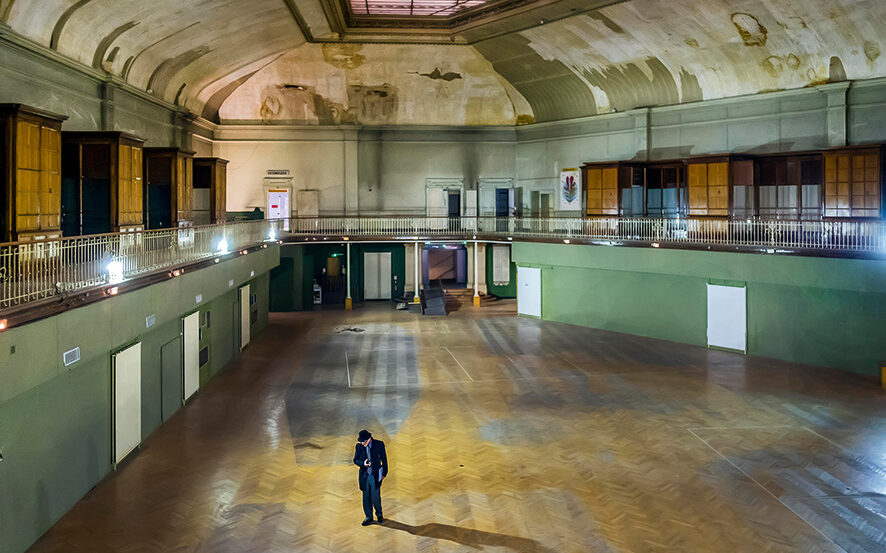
467	536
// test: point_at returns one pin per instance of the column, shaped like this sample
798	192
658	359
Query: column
476	276
416	299
838	128
349	304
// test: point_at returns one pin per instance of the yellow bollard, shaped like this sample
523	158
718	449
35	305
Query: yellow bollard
349	304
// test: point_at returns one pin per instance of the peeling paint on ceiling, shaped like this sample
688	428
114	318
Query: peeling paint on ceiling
391	84
630	54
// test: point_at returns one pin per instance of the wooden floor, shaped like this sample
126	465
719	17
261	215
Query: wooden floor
504	434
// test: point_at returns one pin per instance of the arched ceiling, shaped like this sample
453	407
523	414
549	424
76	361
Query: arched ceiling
529	60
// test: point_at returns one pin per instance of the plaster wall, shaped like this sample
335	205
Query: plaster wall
55	421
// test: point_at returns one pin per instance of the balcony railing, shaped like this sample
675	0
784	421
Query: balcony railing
35	271
855	236
32	271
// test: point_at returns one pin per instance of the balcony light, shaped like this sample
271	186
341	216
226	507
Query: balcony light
222	246
655	244
272	235
565	241
3	325
115	272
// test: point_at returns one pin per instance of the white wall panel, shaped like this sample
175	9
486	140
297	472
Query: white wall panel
727	317
191	352
127	367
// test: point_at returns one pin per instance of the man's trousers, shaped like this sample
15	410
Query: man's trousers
371	497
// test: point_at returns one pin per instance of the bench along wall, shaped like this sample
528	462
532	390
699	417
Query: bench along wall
817	311
55	421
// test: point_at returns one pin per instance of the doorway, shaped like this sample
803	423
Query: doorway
278	205
170	378
377	275
191	354
445	264
127	376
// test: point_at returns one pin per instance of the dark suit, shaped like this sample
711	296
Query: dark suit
370	478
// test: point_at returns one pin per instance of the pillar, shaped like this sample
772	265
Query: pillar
415	298
349	303
476	276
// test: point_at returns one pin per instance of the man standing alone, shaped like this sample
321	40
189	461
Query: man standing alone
373	462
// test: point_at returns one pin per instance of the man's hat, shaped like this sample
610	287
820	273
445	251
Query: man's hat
364	435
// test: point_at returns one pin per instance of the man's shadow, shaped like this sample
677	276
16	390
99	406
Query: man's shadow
466	536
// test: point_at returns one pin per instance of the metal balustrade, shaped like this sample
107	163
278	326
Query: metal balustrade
31	271
856	236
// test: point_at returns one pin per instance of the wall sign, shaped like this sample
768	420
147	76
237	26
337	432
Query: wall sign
570	189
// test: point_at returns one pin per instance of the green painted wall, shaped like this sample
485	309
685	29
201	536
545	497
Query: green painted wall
55	427
817	311
508	291
398	268
291	283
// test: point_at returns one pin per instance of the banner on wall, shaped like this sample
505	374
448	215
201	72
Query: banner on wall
570	189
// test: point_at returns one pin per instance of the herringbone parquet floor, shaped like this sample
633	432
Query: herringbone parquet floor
504	434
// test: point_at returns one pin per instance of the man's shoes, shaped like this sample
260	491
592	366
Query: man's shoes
381	519
367	522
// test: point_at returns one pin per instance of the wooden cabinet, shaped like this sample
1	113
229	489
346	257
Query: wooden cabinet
30	170
601	185
708	185
101	183
168	187
210	189
853	182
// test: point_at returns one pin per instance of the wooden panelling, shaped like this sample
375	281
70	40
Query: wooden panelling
121	169
173	168
32	173
708	188
602	189
853	183
217	171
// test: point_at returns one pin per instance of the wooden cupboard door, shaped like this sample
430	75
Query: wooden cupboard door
137	217
221	193
124	186
595	191
28	146
609	183
50	178
697	177
718	188
27	200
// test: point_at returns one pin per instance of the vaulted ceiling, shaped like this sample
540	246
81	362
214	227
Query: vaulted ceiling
494	62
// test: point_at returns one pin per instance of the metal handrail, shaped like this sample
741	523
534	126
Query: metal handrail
856	236
31	271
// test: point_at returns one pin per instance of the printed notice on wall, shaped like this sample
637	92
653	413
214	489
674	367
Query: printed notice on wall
570	190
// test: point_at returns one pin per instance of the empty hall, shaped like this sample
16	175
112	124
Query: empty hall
512	276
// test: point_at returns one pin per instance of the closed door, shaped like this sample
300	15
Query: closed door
529	291
191	354
170	378
278	206
727	317
377	275
244	316
127	374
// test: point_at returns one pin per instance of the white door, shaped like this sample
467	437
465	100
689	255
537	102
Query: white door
244	316
191	354
278	205
487	201
127	372
727	317
377	275
437	207
529	291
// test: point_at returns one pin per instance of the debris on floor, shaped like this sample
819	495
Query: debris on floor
349	329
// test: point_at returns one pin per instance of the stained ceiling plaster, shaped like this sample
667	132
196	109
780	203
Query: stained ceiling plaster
377	84
631	54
